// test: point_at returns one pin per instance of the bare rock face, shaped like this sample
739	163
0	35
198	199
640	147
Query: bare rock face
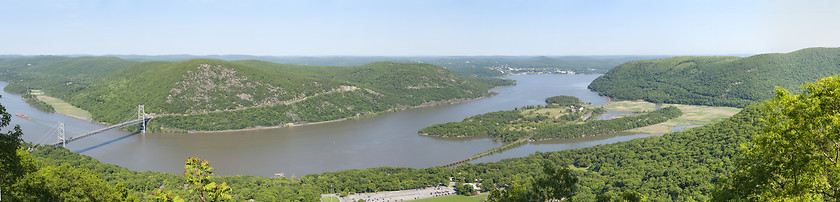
218	87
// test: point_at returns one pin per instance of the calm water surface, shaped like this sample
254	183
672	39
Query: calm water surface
389	139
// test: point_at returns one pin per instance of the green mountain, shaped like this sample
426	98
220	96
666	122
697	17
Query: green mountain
717	81
209	94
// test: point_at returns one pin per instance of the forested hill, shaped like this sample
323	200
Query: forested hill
717	81
54	71
209	94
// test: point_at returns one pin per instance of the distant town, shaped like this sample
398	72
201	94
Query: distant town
508	70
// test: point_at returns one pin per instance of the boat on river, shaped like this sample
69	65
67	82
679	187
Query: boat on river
22	116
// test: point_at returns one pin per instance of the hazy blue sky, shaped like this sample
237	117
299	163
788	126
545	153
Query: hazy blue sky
422	27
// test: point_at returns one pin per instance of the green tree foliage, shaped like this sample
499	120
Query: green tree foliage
12	167
564	101
556	183
517	191
161	195
716	81
495	124
632	196
199	174
378	179
626	196
66	183
507	125
466	190
797	157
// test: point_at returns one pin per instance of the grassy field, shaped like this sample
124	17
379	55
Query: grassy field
61	106
630	106
692	115
454	198
329	199
552	111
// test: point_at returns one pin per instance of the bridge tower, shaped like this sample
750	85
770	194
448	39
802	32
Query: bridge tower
61	134
141	114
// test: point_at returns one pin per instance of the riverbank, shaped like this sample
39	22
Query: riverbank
427	104
62	107
68	110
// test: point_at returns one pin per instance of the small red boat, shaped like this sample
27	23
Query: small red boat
22	116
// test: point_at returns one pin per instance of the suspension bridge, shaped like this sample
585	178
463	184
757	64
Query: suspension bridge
141	120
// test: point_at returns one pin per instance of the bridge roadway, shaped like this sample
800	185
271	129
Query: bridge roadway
120	125
494	150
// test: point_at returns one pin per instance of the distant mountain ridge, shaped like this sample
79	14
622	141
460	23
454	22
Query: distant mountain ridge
54	71
717	80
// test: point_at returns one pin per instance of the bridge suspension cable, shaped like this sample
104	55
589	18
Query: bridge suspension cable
50	133
140	121
141	115
61	137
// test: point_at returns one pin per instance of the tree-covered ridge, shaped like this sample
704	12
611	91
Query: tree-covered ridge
380	88
795	158
189	87
717	81
51	72
486	66
209	94
197	94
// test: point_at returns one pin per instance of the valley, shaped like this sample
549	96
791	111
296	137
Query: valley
608	163
385	101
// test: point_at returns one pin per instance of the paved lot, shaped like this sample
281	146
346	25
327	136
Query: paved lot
403	195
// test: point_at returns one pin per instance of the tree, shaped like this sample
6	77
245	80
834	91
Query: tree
797	157
632	196
10	163
465	189
198	174
626	196
165	196
67	183
518	191
558	183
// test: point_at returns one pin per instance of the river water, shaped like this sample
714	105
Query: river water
389	139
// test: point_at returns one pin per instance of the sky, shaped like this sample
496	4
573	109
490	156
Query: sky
416	28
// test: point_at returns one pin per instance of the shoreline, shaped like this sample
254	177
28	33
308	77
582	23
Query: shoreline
57	112
427	104
398	108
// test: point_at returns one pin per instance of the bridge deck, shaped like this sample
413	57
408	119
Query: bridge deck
120	125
